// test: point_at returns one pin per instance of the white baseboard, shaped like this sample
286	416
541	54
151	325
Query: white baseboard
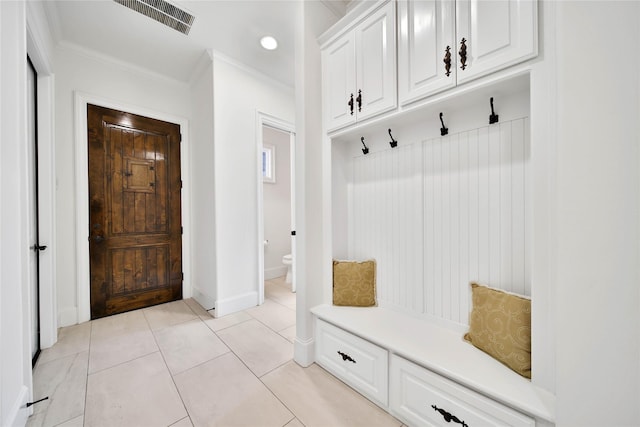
19	412
304	352
237	303
67	317
273	272
205	300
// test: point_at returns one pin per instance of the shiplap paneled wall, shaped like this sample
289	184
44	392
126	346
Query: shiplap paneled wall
441	213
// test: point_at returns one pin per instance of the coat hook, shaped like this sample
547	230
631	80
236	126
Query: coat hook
443	129
493	118
393	142
365	150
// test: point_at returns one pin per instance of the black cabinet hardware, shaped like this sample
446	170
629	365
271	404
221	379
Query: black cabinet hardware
359	100
449	417
447	61
350	104
346	357
463	53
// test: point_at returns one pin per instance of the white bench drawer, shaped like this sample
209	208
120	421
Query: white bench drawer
420	397
362	365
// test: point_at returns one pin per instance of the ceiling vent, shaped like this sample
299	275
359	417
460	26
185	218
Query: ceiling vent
163	12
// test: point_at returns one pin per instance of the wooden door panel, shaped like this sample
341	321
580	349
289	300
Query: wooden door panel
135	236
134	269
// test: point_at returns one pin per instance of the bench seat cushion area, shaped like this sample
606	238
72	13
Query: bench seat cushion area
441	351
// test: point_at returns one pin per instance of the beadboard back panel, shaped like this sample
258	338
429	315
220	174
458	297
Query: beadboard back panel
440	213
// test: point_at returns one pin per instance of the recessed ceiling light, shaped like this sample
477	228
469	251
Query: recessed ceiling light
269	42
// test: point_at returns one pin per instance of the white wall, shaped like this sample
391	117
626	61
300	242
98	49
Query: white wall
79	71
313	187
15	355
203	179
598	209
238	94
277	205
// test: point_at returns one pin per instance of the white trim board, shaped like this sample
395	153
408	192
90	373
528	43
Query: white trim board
82	193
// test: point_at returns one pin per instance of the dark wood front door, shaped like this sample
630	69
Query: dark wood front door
135	237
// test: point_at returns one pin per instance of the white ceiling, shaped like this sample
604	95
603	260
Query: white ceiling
231	27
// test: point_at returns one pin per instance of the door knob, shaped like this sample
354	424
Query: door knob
98	239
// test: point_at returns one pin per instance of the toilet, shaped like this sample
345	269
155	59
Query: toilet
287	260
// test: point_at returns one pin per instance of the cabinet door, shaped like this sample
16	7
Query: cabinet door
426	31
339	82
498	33
376	62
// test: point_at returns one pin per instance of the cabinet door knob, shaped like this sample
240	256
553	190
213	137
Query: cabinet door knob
463	53
359	100
350	104
447	61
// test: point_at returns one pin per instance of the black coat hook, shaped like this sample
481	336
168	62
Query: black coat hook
393	142
443	130
365	150
493	118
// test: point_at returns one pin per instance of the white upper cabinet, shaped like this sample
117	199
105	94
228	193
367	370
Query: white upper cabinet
476	37
497	33
339	74
359	70
427	42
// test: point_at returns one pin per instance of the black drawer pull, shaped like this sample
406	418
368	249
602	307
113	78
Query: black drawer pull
346	357
449	417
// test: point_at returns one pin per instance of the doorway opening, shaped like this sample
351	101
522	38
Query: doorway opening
276	202
34	222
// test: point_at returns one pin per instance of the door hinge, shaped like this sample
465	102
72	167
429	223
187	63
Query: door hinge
180	183
182	274
181	230
293	233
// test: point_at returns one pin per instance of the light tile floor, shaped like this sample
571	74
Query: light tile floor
175	365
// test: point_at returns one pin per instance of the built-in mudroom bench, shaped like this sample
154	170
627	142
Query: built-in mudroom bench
424	373
428	111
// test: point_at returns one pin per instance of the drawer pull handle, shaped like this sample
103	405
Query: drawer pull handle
449	417
346	357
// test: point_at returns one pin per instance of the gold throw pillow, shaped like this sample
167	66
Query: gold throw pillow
500	325
354	283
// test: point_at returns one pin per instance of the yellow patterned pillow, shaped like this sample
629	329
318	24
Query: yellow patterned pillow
354	283
500	325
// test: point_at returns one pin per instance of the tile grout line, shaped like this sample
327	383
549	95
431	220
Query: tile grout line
167	366
86	383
